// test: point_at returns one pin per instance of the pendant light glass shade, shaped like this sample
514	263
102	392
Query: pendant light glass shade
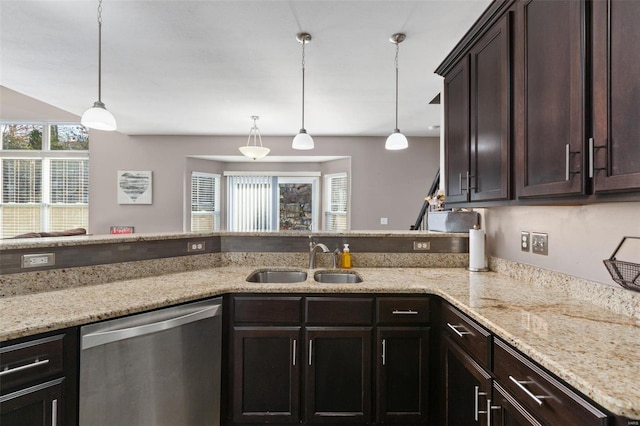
396	140
254	151
303	140
97	117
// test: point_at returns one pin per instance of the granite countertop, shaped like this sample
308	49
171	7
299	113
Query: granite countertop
591	348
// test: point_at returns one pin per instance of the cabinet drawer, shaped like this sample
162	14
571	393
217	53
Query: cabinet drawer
268	310
548	399
403	310
468	334
32	361
339	310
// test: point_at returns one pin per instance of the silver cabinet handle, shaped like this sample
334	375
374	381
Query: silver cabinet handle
102	338
489	408
567	153
384	351
54	412
404	312
591	154
521	383
310	350
34	364
294	351
476	410
455	330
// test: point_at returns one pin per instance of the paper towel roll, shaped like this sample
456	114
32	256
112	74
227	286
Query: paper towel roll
477	260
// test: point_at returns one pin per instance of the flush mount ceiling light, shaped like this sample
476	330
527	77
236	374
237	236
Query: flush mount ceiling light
254	151
396	140
303	140
97	117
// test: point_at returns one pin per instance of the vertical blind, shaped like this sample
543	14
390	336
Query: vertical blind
205	202
251	204
336	202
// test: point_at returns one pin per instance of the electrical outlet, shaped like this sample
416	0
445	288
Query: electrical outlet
525	241
38	260
384	221
540	243
194	246
421	245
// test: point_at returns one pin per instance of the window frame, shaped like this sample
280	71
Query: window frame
46	156
216	212
326	201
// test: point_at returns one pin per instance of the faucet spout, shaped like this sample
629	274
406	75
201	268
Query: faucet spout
313	249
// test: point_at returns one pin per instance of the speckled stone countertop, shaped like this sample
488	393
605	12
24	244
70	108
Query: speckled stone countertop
591	348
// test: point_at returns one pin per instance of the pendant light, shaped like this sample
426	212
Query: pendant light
396	140
303	140
98	117
254	151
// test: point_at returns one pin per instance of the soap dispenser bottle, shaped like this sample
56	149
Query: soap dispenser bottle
346	257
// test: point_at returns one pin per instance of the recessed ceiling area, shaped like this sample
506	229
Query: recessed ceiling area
205	67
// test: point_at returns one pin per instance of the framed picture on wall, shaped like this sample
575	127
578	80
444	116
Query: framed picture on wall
134	187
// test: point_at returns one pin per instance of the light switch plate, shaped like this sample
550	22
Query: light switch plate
540	243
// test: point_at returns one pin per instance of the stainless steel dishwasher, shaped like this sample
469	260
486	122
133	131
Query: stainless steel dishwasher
156	368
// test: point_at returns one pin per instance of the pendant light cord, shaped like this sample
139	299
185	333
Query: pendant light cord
303	66
396	62
100	51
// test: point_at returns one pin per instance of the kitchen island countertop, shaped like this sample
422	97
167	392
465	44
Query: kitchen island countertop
591	348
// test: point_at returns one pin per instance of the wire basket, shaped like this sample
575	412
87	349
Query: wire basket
627	274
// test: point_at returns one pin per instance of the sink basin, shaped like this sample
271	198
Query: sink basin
261	276
337	277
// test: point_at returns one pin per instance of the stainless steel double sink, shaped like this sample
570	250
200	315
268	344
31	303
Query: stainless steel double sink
333	276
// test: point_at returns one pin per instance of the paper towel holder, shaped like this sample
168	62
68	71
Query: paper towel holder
469	268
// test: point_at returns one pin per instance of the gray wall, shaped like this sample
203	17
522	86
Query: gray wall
580	237
384	183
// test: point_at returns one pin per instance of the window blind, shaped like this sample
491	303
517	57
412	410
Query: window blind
251	205
205	201
336	202
68	205
21	196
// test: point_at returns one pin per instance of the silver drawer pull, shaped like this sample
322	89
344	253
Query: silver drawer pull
295	351
54	412
455	330
34	364
402	312
521	383
489	408
476	410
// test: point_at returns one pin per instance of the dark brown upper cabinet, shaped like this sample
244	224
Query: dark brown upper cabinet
477	119
615	148
550	90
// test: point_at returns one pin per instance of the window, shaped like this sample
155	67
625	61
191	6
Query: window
336	200
43	190
287	201
205	202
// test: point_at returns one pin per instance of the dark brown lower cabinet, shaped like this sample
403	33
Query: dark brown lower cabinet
467	387
266	374
39	405
338	375
402	375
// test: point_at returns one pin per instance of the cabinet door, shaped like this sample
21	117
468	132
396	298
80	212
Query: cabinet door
490	114
549	93
467	388
616	151
456	143
338	375
402	374
266	374
34	406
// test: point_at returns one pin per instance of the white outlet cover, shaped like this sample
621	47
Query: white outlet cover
384	221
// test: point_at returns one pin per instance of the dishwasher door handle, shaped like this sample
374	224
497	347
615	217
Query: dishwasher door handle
104	337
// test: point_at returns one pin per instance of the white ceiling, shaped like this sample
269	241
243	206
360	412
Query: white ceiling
205	67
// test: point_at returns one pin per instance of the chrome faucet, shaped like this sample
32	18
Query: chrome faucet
313	249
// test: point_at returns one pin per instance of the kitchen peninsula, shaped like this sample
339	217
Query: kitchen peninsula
546	316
